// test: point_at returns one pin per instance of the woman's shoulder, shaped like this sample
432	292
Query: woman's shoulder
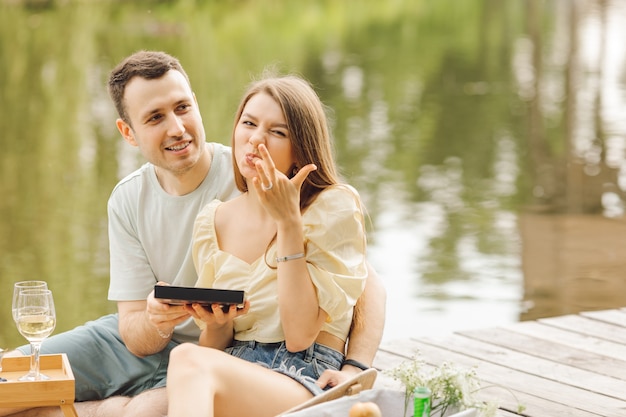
207	213
339	195
337	203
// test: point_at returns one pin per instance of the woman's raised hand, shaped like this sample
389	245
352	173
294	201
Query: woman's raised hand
279	195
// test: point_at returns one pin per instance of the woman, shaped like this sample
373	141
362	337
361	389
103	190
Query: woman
295	242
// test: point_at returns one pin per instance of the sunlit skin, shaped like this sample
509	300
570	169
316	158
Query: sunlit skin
166	125
261	130
262	122
268	212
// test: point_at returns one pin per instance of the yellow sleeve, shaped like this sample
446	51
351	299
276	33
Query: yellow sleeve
335	248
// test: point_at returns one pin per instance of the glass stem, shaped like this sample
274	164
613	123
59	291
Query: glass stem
35	347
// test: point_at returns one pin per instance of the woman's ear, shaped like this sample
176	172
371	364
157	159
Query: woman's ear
294	171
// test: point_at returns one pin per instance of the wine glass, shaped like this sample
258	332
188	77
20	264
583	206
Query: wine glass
28	285
36	320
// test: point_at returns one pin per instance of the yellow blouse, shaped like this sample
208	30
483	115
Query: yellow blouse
335	254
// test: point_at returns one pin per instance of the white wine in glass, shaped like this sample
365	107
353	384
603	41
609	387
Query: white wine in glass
36	319
25	285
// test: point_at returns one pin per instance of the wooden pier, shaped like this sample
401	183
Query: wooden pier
573	365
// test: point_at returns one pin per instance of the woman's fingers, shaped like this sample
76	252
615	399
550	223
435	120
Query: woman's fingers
266	169
270	178
301	175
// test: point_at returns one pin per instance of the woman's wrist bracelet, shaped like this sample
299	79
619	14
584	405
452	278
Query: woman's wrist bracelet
356	364
290	257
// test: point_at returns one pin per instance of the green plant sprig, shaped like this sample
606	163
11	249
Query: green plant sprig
450	386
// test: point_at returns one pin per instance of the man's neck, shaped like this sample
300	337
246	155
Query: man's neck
184	183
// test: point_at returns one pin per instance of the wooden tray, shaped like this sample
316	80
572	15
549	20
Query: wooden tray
57	391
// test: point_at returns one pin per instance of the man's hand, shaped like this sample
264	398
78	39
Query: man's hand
146	326
332	378
162	315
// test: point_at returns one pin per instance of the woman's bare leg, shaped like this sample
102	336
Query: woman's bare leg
207	382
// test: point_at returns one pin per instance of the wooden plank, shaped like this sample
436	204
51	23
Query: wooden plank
504	413
46	362
571	365
590	369
569	338
541	396
535	407
58	390
387	360
532	364
69	410
587	326
616	317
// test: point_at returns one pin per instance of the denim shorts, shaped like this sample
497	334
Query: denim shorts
305	366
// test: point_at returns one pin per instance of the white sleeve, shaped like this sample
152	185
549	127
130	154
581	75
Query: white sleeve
130	272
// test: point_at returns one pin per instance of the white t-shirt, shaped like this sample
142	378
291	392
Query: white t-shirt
150	231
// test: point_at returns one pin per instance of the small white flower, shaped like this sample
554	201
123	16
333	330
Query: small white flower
451	386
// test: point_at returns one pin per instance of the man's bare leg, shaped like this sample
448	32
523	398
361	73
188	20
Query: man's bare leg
151	403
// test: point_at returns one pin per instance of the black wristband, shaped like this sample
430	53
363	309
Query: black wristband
356	364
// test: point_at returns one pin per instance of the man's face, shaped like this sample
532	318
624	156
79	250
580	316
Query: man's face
166	122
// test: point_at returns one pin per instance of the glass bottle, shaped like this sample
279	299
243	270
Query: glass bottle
421	402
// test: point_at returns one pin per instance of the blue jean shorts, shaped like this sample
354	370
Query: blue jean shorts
305	366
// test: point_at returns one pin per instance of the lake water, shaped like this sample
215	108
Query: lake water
486	137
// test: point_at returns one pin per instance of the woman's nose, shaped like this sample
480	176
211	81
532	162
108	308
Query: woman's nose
257	137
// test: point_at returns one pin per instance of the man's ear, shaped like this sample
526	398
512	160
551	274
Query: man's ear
126	131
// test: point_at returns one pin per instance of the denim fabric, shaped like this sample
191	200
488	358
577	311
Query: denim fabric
305	366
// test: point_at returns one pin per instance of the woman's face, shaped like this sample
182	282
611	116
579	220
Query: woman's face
262	121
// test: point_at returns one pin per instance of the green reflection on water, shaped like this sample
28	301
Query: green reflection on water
426	109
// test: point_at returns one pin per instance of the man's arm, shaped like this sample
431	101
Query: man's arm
140	336
366	332
368	323
147	326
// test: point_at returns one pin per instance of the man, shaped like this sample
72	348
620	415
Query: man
120	361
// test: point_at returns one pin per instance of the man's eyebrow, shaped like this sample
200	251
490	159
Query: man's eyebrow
150	113
185	100
159	110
